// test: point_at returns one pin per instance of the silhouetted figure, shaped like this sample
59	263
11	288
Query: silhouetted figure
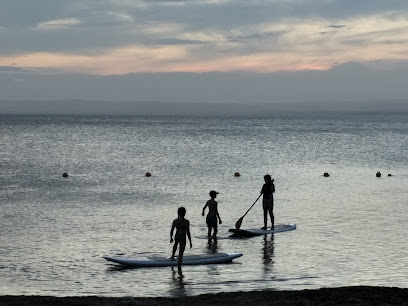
182	227
213	217
267	203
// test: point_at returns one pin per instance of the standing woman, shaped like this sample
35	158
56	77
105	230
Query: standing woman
267	190
212	215
182	227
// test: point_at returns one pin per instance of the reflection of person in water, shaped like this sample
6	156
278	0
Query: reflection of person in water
268	249
182	227
213	215
212	246
267	190
178	284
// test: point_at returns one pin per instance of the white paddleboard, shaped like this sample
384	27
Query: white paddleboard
166	262
258	232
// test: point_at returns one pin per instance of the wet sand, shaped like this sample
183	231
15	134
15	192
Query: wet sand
326	296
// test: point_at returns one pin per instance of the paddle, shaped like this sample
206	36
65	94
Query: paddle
239	222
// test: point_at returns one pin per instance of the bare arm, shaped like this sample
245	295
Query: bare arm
171	231
205	206
218	215
188	234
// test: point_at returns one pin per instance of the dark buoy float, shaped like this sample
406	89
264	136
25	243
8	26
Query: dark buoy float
378	174
65	174
237	174
326	174
148	174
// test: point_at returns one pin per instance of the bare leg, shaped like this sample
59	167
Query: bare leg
174	250
180	257
209	232
272	219
265	218
215	232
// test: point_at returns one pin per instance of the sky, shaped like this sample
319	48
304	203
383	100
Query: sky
217	51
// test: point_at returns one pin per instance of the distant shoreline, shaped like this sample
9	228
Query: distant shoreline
143	108
357	295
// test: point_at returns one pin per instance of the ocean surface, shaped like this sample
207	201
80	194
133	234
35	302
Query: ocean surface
54	231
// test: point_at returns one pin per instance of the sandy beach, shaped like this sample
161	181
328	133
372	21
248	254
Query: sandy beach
359	295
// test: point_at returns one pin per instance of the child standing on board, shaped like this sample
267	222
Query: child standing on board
213	214
182	227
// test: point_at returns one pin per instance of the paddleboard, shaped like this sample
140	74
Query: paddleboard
258	232
146	261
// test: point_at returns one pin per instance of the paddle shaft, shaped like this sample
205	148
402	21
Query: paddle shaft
239	222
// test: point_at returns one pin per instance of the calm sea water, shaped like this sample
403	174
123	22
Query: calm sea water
351	226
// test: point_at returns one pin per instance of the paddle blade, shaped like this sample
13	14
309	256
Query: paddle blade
238	223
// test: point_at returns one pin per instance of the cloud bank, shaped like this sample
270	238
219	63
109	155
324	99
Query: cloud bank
278	51
122	37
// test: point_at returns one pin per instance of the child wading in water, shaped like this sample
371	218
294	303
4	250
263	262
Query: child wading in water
182	227
212	215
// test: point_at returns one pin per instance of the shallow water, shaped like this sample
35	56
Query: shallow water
55	230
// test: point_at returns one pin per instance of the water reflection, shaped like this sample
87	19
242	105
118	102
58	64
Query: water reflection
118	268
212	246
178	285
268	253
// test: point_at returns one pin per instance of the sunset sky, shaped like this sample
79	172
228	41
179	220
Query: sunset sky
105	38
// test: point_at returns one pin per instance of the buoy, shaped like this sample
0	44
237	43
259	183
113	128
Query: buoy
326	174
378	174
148	174
65	174
389	174
237	174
